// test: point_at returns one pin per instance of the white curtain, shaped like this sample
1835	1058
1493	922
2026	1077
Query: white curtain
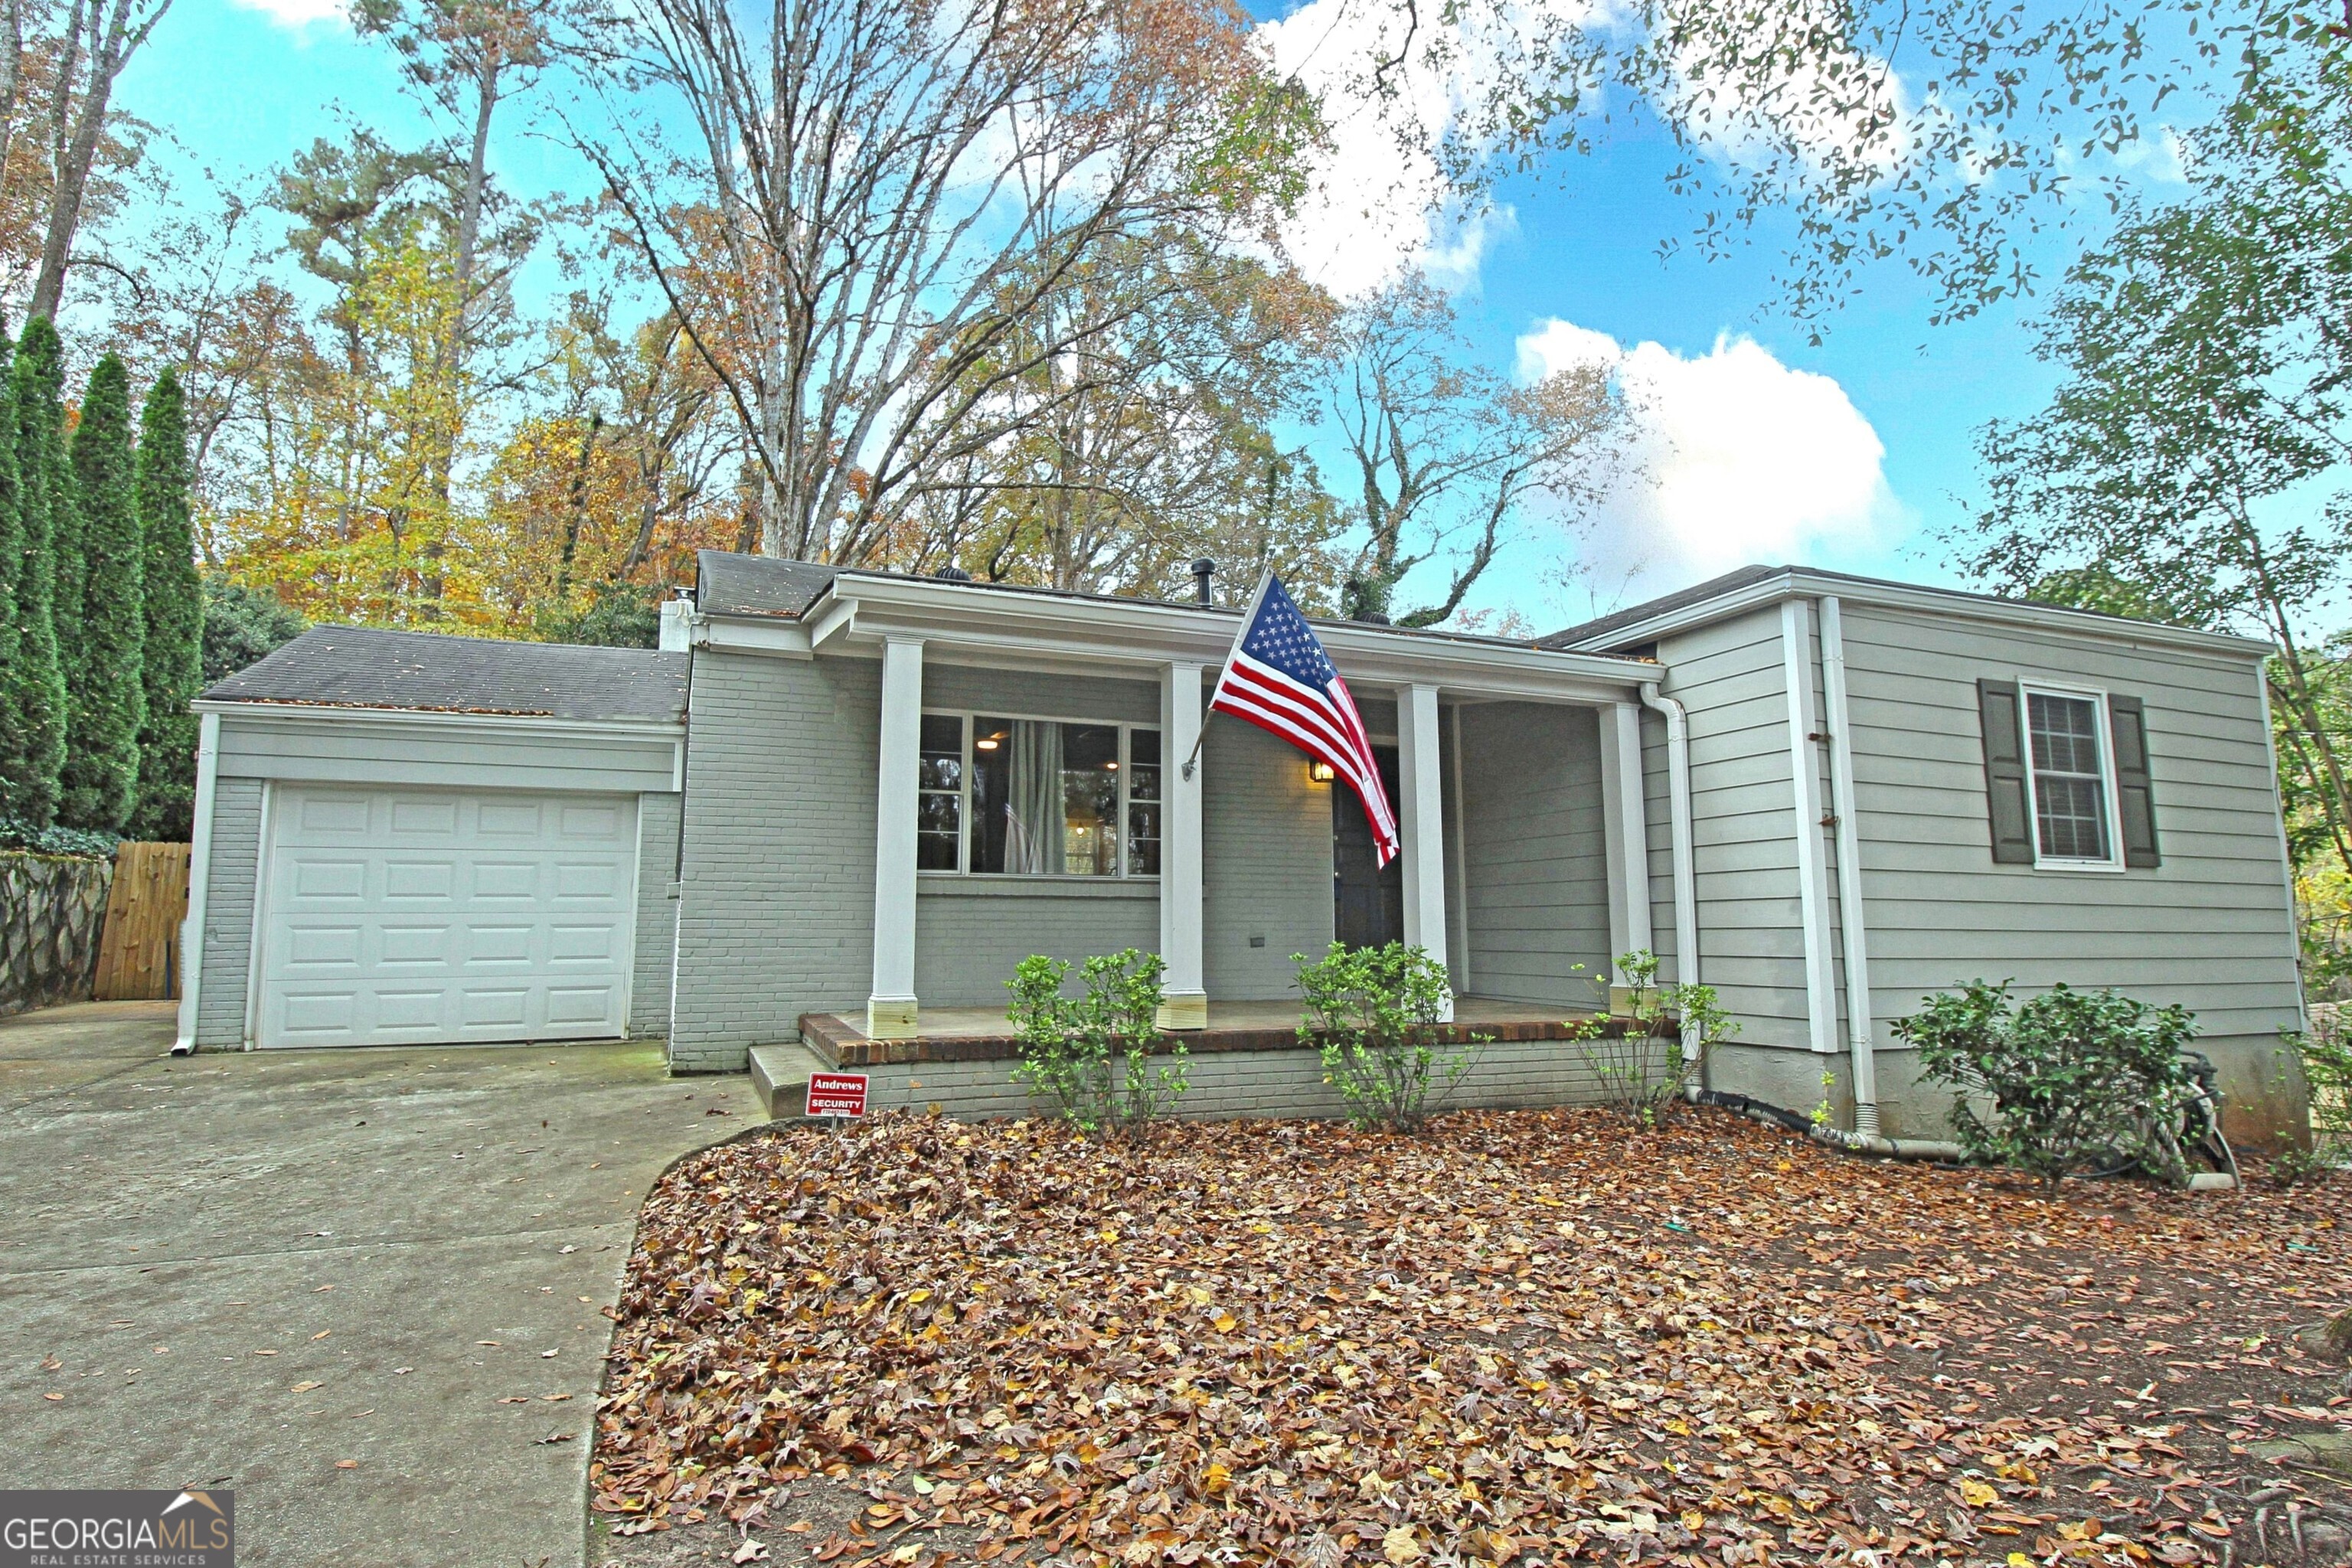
1033	808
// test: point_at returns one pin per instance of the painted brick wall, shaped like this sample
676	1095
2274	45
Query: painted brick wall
1231	1084
776	892
1266	861
969	935
229	913
1538	860
658	824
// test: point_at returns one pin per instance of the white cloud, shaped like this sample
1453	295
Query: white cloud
1381	204
1736	458
300	13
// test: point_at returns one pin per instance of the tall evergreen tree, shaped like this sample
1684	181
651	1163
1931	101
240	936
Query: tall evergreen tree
12	567
173	660
65	523
33	746
102	665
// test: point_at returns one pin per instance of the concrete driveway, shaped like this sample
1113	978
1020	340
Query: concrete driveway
363	1289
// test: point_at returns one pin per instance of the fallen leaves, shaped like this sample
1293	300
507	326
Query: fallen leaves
1523	1336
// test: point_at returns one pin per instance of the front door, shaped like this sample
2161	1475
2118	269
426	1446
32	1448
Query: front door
1368	901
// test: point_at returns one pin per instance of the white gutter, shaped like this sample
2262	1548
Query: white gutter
2286	857
1678	811
1800	582
1805	782
200	866
1848	871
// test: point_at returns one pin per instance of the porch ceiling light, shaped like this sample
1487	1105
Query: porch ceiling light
1321	773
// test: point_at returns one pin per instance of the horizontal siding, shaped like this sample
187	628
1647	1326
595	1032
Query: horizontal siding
2208	929
1017	692
234	867
318	749
1751	938
656	934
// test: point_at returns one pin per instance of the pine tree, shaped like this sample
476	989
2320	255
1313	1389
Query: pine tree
102	665
65	521
173	661
33	747
12	567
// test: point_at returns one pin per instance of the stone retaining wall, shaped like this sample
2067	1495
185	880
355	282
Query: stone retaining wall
52	910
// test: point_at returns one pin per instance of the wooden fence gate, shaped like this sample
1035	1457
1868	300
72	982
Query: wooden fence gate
138	952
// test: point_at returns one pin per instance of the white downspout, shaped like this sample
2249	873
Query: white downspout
200	877
1811	816
1851	922
1678	812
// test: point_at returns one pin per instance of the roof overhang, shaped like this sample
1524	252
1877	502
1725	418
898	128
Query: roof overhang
996	625
371	713
1800	584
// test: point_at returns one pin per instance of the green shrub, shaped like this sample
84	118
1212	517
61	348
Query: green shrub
2077	1080
1639	1076
79	843
2328	1072
1092	1055
1378	1014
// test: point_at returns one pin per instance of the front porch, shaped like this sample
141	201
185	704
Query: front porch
1039	810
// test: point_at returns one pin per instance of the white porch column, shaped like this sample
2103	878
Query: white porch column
1184	1000
1624	826
1421	822
890	1012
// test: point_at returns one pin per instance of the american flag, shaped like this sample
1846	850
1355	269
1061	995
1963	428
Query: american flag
1279	679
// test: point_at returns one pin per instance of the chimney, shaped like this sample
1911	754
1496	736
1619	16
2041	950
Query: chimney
1202	570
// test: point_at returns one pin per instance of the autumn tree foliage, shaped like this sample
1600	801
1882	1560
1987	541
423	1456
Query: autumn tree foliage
880	201
1452	459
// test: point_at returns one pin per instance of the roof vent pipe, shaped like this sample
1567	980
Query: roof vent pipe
951	575
1202	570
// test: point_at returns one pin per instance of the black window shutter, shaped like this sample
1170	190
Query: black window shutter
2136	810
2004	754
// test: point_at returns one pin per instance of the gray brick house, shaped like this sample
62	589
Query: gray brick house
838	807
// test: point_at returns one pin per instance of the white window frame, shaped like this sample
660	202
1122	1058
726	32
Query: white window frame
2097	698
1126	728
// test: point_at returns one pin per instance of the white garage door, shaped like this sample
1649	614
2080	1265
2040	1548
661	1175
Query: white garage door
414	917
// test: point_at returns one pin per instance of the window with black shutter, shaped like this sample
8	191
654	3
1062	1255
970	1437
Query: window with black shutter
2004	754
2066	777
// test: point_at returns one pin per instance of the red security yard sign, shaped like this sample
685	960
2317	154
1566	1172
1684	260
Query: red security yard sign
836	1094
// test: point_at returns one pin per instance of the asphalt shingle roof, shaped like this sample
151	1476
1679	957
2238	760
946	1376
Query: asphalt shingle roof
360	667
1665	604
731	585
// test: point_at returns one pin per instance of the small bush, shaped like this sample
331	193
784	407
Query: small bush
2078	1080
2327	1073
80	843
1378	1014
1639	1076
1092	1055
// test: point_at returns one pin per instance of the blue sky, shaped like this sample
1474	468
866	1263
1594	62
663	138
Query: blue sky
1850	455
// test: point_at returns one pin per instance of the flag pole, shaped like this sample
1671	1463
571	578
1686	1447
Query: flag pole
1249	616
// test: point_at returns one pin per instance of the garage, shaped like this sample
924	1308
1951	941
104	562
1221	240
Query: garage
400	917
415	839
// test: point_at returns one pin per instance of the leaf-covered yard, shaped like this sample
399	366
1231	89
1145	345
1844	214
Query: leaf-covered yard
1523	1337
